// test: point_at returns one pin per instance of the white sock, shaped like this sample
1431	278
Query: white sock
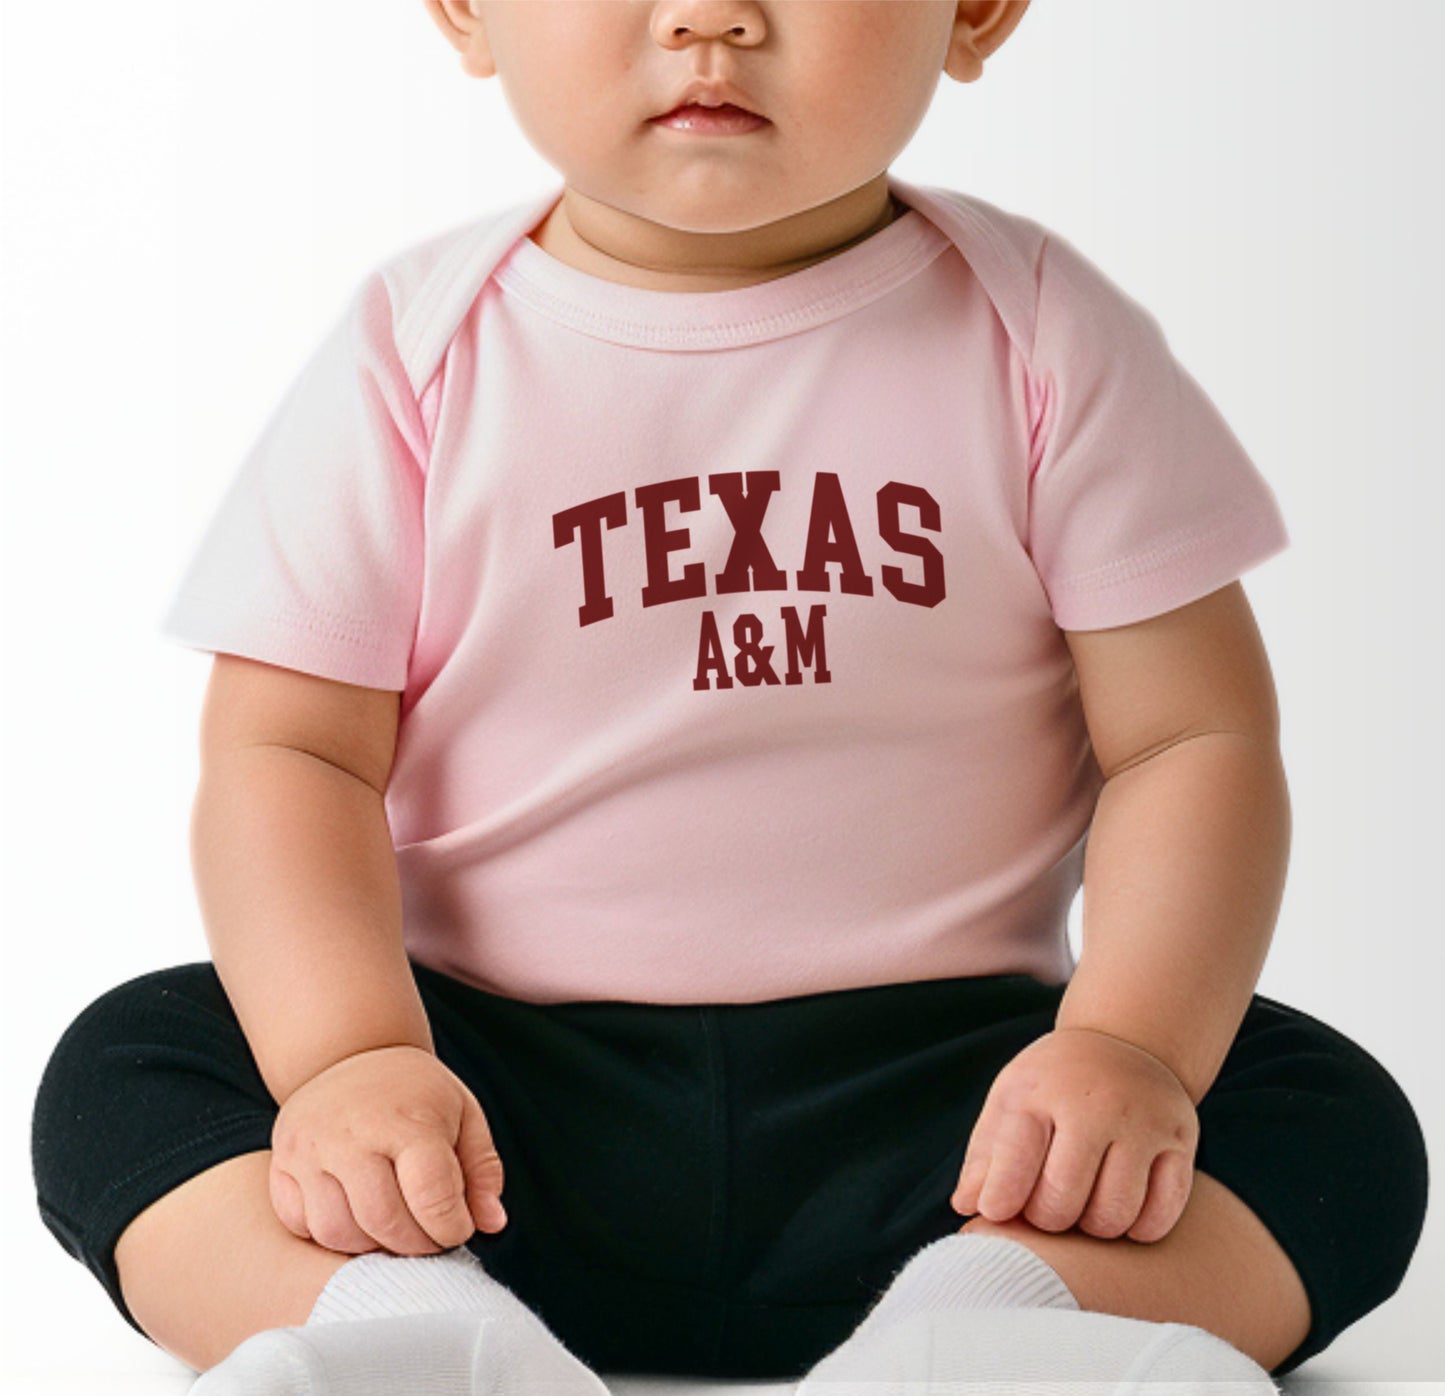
1037	1352
382	1285
958	1271
962	1271
986	1316
393	1325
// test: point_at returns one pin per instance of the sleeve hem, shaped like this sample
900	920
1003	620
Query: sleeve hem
312	645
1168	576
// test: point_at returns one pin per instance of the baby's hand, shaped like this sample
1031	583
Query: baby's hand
1082	1127
385	1149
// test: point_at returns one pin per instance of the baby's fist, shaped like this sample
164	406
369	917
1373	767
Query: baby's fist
386	1148
1082	1128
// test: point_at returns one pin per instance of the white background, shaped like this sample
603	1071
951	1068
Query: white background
190	191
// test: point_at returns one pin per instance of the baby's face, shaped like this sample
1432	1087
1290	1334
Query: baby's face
842	85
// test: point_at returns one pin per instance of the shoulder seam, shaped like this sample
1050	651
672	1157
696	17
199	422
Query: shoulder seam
411	329
383	273
464	257
998	255
1038	296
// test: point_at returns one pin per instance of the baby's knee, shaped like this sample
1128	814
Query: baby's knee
130	1011
145	1042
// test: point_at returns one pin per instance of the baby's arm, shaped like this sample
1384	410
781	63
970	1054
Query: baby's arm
295	870
376	1142
1187	853
1095	1123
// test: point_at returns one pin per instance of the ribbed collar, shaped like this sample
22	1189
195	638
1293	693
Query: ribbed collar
722	319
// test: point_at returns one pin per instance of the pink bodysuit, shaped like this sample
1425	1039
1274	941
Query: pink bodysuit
728	624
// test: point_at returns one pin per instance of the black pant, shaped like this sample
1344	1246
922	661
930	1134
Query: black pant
724	1190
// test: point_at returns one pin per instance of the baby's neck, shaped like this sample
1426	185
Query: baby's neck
556	236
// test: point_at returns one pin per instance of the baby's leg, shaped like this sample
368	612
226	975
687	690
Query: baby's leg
152	1127
210	1264
1309	1199
151	1153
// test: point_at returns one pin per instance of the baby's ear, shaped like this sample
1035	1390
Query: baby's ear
979	30
461	24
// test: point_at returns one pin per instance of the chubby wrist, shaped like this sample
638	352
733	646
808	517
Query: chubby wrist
1163	1061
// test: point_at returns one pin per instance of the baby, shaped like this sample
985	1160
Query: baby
673	645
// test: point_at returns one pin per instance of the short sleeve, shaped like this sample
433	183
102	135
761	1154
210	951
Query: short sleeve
314	557
1141	498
